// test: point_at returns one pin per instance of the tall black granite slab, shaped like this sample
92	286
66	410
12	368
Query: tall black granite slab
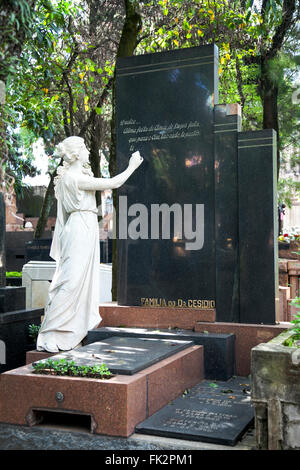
219	413
219	349
258	248
124	355
2	241
165	109
227	124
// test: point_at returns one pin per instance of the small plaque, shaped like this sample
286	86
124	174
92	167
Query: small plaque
211	412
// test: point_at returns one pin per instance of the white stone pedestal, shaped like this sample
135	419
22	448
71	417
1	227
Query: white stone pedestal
37	276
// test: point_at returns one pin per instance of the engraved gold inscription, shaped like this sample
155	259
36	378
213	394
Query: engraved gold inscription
179	303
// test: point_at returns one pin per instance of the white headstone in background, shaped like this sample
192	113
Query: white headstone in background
37	276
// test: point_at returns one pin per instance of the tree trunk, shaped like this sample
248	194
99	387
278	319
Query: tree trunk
47	204
269	97
94	152
127	45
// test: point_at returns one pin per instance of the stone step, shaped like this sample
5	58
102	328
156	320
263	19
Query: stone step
216	412
219	356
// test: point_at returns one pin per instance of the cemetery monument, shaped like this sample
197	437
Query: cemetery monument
197	264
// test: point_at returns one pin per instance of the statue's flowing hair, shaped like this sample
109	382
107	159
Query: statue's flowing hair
68	149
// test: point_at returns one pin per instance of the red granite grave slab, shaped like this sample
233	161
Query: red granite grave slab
154	317
116	405
33	356
246	337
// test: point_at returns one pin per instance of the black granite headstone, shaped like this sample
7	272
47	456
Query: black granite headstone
258	223
124	355
12	299
227	124
165	109
219	413
14	337
195	156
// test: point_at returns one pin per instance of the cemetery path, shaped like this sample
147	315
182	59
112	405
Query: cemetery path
46	438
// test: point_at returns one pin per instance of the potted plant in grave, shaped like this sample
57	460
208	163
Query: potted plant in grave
33	331
13	278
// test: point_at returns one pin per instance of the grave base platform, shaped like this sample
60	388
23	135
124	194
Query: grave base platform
113	407
116	315
247	336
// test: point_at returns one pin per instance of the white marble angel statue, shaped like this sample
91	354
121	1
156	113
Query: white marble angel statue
73	302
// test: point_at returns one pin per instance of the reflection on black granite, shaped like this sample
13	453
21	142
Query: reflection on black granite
169	111
194	154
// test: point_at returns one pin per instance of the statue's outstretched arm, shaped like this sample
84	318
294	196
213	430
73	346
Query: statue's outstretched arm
99	184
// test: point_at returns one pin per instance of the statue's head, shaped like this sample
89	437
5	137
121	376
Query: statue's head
71	149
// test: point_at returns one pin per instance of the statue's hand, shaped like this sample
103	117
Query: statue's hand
135	160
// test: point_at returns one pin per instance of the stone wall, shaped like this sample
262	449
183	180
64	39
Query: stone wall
275	393
289	287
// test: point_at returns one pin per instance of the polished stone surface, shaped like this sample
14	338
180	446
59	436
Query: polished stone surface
195	153
258	260
154	317
209	412
165	109
227	124
124	355
219	349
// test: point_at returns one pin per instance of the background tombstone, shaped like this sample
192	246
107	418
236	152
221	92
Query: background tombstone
195	153
14	318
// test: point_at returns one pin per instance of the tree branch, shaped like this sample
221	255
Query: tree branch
288	8
71	102
93	113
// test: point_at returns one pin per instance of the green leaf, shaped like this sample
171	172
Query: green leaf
213	385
